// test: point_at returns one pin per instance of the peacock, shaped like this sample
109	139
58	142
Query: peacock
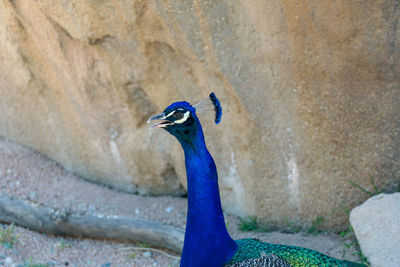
207	242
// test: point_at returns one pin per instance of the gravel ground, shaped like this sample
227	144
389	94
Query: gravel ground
29	175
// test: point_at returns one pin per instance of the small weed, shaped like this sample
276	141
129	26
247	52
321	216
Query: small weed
62	245
291	227
346	209
8	237
345	233
133	255
347	245
377	191
361	188
250	224
30	263
366	191
354	242
364	259
143	245
314	229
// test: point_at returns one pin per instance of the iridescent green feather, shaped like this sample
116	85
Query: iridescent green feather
296	256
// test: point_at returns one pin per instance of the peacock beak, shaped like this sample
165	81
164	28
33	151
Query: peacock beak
161	124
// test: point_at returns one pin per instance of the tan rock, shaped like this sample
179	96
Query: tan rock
376	224
310	92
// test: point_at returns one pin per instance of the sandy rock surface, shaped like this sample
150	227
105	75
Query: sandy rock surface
29	175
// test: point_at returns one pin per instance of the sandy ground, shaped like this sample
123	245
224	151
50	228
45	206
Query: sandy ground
29	175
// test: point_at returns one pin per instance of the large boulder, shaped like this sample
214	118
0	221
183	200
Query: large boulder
310	93
376	224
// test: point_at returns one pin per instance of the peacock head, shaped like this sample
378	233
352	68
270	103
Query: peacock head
180	119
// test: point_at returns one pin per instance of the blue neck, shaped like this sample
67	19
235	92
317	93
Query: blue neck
207	241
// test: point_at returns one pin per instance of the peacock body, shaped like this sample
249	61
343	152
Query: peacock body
251	250
207	242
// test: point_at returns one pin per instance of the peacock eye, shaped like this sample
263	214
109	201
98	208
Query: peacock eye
178	115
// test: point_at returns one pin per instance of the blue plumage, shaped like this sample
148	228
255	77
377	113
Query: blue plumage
207	241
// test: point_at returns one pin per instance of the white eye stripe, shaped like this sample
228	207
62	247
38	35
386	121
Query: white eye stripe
171	113
185	117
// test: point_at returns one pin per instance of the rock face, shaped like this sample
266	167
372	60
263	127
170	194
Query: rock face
376	224
310	92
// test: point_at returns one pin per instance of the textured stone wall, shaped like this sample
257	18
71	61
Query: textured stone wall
310	92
